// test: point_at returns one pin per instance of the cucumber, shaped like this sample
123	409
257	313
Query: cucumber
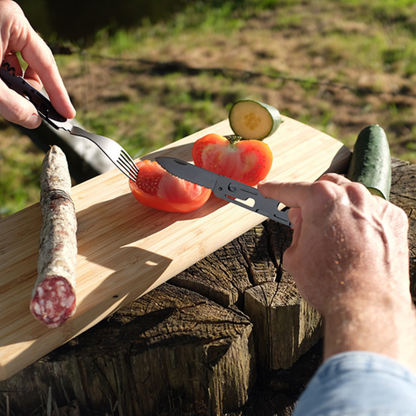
253	120
370	162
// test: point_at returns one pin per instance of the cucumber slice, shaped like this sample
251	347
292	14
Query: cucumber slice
371	162
253	120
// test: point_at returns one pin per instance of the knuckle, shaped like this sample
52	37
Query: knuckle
357	192
399	215
325	192
331	176
330	194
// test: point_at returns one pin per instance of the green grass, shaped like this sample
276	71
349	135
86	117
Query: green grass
20	163
333	65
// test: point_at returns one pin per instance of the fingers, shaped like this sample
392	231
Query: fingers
295	217
294	194
335	178
42	69
33	78
291	194
16	109
13	61
357	192
18	35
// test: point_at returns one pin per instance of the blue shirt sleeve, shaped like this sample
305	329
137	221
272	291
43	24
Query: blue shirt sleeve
359	383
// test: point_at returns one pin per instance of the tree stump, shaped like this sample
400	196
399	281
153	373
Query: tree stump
285	326
170	351
230	335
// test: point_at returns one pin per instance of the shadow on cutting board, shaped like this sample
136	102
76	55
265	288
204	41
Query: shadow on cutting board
121	246
130	244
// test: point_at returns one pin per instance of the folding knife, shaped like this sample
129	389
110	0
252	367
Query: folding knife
227	189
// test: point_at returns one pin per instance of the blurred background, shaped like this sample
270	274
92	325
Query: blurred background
149	73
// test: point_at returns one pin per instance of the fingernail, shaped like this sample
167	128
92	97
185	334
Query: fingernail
73	109
33	121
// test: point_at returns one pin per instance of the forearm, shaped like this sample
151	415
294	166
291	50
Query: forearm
349	258
387	328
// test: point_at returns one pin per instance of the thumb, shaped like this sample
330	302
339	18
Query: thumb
17	109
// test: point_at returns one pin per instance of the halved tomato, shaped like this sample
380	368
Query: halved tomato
247	161
157	188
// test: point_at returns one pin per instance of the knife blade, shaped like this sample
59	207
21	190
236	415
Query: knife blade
227	189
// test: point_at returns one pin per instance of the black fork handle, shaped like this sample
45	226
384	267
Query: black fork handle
22	87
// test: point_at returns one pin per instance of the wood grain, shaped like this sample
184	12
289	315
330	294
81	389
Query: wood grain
126	249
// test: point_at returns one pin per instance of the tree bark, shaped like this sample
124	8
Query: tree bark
171	350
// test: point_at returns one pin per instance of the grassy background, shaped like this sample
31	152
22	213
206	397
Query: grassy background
337	66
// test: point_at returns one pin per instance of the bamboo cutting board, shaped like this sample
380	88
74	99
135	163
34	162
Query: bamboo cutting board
126	249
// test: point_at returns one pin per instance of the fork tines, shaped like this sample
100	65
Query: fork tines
126	164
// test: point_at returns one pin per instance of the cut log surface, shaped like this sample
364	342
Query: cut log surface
228	335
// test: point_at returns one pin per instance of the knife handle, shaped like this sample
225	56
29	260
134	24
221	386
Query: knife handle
43	106
236	192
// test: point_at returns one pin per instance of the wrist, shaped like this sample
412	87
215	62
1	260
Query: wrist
386	326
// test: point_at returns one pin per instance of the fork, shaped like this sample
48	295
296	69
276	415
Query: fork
109	147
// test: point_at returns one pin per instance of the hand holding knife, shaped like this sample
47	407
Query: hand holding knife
225	188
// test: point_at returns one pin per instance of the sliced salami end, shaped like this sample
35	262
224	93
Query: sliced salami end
53	302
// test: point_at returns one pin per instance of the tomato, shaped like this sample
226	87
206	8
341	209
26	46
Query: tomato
157	188
247	161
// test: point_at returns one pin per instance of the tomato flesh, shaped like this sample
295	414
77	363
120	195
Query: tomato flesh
157	188
247	161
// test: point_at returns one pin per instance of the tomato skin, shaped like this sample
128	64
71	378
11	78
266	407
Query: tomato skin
247	161
157	188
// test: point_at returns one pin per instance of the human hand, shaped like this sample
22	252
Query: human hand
349	258
346	242
16	35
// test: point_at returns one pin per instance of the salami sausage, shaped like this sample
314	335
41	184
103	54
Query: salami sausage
53	297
